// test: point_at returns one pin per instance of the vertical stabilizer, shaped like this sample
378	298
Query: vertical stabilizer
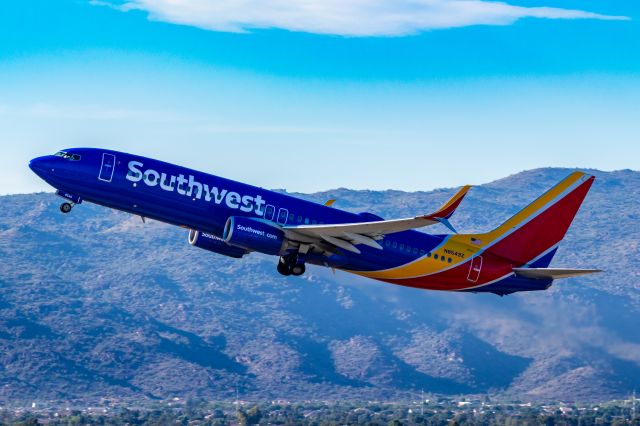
531	236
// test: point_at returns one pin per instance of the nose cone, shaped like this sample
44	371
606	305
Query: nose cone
36	165
41	166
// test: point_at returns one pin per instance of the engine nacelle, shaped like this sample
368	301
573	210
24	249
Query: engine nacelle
215	244
254	235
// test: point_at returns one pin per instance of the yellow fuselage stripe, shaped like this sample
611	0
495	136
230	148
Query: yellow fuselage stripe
462	244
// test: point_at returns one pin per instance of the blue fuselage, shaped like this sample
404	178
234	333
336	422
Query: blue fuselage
204	202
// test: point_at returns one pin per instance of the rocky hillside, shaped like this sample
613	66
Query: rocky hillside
96	304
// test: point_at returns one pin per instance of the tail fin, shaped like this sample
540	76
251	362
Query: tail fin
531	236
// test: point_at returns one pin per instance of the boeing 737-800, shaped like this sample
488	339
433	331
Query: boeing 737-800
234	219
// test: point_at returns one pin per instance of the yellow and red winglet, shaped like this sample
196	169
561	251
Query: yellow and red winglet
448	208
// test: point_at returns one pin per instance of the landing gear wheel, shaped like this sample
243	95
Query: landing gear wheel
66	207
283	268
288	265
298	270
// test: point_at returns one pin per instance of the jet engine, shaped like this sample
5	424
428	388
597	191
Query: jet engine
215	244
254	235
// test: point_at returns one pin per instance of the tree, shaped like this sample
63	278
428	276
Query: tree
254	415
243	420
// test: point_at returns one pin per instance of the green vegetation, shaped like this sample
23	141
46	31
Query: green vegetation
444	412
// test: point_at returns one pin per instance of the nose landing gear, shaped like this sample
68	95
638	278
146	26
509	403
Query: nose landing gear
292	264
71	200
66	207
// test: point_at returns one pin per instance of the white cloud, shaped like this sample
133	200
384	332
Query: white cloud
356	18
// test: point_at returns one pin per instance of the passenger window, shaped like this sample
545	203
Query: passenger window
450	260
306	220
283	214
292	218
402	246
314	222
415	251
387	243
421	252
435	256
395	244
429	254
299	219
269	211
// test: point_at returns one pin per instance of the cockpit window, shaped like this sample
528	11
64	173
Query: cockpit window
68	156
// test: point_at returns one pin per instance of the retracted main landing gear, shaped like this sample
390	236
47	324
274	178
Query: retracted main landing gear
292	264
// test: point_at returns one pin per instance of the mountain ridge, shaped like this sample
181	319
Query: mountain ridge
97	304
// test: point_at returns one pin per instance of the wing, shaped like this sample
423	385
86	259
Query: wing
348	235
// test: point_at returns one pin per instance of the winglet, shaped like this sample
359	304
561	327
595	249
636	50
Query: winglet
330	202
443	214
448	224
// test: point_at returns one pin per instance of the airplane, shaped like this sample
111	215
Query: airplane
234	219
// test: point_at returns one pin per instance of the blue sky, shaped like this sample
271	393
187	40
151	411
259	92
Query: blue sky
311	95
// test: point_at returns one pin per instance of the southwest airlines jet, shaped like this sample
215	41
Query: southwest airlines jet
235	219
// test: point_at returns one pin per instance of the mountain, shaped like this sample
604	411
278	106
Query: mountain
96	304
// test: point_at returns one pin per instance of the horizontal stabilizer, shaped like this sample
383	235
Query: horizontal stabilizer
552	273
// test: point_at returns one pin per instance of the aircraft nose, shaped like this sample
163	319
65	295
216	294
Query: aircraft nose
41	165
